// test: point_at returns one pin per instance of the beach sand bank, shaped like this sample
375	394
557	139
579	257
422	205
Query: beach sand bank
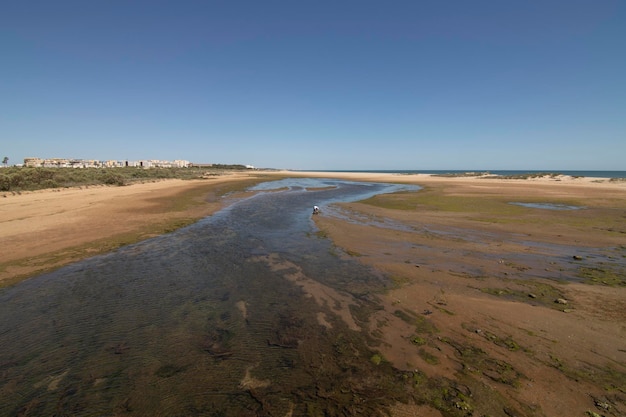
43	230
513	306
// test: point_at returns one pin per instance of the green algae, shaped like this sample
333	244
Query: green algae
418	340
428	357
608	275
434	199
422	324
477	361
602	216
528	291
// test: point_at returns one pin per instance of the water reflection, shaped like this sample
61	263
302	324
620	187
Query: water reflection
547	206
226	317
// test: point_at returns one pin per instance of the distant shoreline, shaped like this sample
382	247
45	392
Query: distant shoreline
569	173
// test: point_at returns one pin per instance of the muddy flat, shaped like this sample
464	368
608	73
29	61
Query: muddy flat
524	307
512	309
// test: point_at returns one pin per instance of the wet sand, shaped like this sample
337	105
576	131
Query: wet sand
465	310
521	330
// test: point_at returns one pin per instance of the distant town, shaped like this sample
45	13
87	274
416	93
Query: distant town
93	163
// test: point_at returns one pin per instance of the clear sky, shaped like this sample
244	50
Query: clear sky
343	84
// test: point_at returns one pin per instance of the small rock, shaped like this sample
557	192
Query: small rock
561	301
577	258
602	404
510	412
531	295
478	331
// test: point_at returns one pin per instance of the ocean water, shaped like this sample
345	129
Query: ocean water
591	174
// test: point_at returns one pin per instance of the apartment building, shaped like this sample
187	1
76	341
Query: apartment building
91	163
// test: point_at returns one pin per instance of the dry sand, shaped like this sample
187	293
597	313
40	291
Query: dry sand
46	229
507	354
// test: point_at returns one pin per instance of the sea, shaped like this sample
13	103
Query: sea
591	174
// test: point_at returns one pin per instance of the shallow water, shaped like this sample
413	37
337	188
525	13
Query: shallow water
203	321
527	258
547	206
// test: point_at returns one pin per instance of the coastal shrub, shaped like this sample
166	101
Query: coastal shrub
50	183
17	181
5	183
110	178
29	179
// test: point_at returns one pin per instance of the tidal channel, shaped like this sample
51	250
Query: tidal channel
247	312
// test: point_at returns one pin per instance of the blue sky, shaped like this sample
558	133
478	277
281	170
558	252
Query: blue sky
317	84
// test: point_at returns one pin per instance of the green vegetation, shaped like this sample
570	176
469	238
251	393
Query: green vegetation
16	179
532	292
612	276
433	199
599	215
506	342
489	208
612	380
477	361
452	399
422	324
376	359
428	357
399	280
418	340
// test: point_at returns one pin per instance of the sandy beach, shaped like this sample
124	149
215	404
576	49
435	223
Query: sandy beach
482	295
43	230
